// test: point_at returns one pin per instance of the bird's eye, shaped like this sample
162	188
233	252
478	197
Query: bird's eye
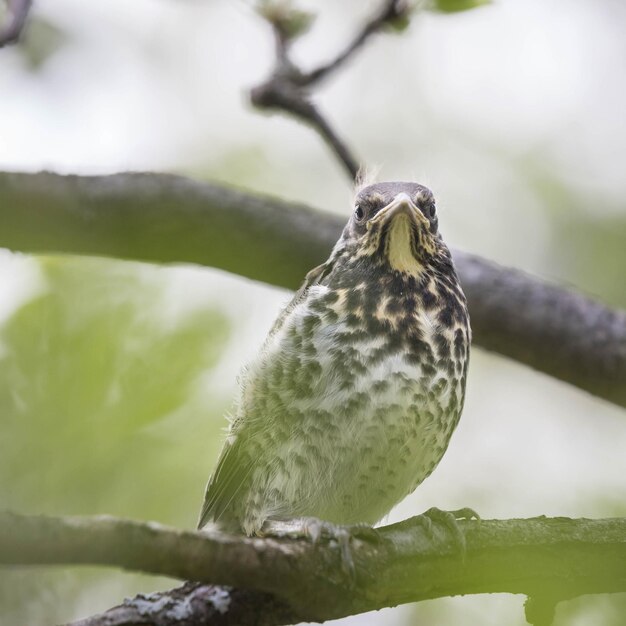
359	213
430	210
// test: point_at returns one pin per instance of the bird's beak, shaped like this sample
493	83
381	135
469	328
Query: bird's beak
401	205
405	234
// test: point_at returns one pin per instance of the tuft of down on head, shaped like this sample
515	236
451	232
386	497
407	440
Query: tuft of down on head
366	176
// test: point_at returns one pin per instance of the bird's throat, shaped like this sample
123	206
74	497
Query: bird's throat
401	247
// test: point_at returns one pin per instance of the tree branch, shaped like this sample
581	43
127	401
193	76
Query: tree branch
506	307
556	557
277	93
287	88
18	12
170	219
389	12
197	604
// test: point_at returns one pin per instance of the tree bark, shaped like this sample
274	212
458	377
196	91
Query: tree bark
555	557
163	218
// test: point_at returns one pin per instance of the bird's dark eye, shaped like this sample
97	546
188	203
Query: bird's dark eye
430	210
359	213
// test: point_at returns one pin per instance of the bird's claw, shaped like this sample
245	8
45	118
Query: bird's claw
315	530
448	519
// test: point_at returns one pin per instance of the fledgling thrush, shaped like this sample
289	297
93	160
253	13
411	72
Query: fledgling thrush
355	394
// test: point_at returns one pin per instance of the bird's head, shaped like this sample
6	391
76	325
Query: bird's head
394	224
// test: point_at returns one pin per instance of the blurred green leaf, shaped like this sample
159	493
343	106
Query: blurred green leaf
85	367
454	6
288	20
588	235
41	39
98	413
399	24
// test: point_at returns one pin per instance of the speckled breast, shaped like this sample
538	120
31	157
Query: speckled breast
367	387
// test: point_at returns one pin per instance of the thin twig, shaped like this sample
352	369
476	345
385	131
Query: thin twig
390	11
18	12
284	95
288	87
340	148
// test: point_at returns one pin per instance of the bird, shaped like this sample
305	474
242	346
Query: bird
351	402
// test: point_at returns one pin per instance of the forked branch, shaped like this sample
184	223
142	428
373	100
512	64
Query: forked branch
288	87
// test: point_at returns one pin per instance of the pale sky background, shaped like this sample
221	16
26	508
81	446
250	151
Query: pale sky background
462	103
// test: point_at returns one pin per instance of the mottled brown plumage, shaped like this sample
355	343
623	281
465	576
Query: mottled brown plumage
360	384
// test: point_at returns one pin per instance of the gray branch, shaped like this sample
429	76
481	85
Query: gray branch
288	87
197	604
558	558
507	308
389	11
162	218
18	12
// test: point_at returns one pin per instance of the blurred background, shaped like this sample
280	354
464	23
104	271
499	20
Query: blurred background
115	376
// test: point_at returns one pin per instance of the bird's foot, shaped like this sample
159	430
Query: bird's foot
450	520
316	530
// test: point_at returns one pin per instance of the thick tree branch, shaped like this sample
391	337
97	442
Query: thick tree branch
169	219
18	12
197	604
512	308
556	557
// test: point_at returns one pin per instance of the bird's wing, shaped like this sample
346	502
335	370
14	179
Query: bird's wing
313	277
233	468
236	464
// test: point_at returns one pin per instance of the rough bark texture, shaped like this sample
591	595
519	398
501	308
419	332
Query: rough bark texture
197	604
170	219
555	557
